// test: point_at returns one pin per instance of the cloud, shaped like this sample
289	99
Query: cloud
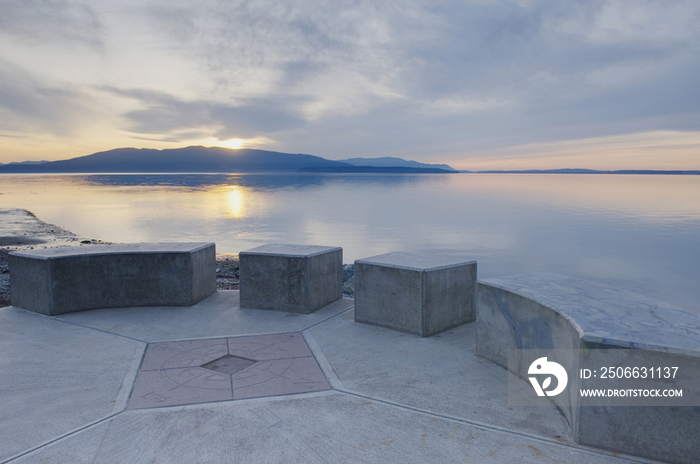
655	23
47	21
321	52
174	118
354	77
29	105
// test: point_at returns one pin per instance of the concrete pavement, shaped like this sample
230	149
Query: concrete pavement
67	381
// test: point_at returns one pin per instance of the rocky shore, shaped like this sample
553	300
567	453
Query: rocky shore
21	230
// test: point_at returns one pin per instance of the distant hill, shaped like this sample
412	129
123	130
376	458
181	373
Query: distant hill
226	160
377	170
23	163
395	162
590	171
190	159
210	160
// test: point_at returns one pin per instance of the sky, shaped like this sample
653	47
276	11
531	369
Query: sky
474	84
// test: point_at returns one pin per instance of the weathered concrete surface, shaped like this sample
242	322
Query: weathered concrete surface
397	398
546	311
294	278
322	428
440	372
419	294
217	315
57	377
60	280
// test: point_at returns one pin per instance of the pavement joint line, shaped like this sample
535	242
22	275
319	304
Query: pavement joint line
201	366
60	437
230	377
253	334
58	319
223	403
330	317
218	337
503	430
128	381
323	363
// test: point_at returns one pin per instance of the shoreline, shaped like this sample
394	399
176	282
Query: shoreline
22	230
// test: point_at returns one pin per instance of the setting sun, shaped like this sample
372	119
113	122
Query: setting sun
233	143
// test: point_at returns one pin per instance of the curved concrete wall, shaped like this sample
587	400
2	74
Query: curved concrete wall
545	311
509	321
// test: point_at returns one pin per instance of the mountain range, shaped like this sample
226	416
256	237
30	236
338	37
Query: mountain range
216	159
394	162
226	160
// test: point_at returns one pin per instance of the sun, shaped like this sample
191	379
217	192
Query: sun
233	143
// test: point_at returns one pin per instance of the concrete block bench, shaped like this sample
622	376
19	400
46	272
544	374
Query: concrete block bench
61	280
420	294
294	278
527	314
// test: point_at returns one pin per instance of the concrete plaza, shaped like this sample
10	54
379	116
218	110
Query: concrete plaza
387	397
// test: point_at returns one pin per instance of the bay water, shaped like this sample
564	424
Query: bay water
636	232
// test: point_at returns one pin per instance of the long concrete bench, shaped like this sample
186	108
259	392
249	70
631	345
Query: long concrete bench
61	280
526	315
293	278
416	293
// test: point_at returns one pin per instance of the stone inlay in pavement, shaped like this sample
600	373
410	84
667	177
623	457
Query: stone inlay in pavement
202	371
229	364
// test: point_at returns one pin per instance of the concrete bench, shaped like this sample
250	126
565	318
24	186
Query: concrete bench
420	294
61	280
538	313
294	278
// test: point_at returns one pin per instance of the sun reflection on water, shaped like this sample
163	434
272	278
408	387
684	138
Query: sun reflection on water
236	197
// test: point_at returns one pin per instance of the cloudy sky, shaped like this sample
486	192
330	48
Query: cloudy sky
475	84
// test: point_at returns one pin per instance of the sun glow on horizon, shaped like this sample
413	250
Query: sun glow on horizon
233	143
655	150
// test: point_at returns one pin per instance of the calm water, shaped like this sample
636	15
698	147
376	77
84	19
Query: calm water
640	233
